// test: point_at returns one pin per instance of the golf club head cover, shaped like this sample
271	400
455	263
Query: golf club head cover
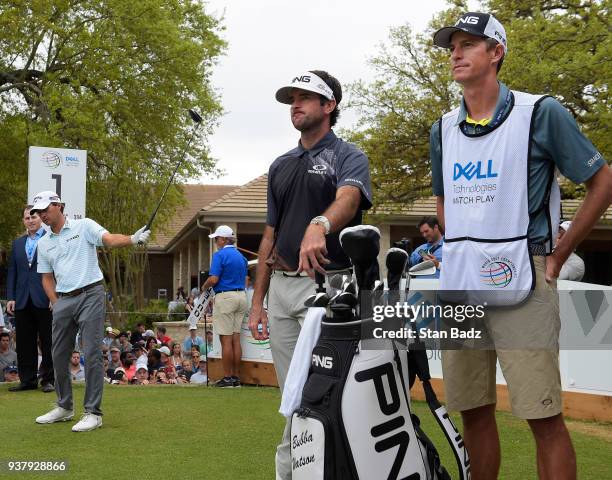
396	261
361	243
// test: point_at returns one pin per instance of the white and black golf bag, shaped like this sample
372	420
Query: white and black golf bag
354	421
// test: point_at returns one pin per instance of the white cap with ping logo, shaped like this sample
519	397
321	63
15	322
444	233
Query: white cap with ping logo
306	81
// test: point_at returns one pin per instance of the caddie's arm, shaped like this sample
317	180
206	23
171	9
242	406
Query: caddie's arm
440	210
596	202
313	248
48	283
258	315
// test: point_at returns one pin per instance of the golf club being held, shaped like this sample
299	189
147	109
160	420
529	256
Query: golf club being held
197	119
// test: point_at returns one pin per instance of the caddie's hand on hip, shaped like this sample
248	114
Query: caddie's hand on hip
141	236
553	267
258	316
313	251
10	307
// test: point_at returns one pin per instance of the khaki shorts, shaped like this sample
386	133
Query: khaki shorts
228	312
526	340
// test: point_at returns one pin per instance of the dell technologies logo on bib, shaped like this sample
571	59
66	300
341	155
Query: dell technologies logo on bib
470	170
469	189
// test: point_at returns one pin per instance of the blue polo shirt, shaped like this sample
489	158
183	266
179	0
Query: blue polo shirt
231	267
71	254
436	251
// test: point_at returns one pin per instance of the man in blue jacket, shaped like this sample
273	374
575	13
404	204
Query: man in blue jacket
30	305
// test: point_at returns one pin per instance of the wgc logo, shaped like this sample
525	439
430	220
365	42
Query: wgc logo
51	159
497	274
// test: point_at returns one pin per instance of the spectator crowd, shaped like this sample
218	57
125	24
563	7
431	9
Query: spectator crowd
142	357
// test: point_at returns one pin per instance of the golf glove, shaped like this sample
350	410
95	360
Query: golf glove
141	236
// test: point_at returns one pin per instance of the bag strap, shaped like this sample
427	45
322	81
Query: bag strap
418	363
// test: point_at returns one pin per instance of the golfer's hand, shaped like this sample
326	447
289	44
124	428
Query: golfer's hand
553	267
141	236
258	316
10	307
313	251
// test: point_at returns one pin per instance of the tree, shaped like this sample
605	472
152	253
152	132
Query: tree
114	78
555	47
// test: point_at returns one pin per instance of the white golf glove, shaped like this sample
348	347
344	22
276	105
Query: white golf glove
141	236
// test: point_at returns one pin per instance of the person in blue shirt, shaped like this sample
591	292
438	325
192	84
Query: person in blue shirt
228	272
430	230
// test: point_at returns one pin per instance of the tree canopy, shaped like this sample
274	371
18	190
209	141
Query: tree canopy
114	78
556	47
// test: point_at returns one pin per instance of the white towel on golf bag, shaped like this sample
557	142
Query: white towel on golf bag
300	363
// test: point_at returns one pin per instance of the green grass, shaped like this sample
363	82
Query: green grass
175	432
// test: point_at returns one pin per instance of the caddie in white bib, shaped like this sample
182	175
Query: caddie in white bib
486	251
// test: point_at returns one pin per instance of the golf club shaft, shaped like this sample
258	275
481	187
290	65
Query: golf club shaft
150	222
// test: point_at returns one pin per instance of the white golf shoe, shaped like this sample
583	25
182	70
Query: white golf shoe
58	414
89	421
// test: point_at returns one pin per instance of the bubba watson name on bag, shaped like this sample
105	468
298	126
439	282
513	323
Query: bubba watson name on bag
354	421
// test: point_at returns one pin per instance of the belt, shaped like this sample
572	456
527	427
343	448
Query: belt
538	249
231	290
78	291
294	273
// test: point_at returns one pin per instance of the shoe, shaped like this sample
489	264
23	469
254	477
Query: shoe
58	414
236	382
22	386
48	387
89	421
225	382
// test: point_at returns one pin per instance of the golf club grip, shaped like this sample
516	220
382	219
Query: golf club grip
149	223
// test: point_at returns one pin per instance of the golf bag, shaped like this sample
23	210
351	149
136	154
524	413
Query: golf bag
354	421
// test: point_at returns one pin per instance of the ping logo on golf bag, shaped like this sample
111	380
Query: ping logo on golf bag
303	79
397	435
456	438
321	361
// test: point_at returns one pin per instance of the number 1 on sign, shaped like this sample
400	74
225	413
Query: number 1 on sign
58	184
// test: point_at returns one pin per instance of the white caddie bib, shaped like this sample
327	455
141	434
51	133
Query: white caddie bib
486	251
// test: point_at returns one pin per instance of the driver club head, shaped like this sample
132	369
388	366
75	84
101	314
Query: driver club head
195	116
